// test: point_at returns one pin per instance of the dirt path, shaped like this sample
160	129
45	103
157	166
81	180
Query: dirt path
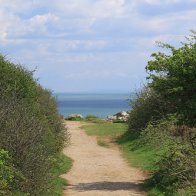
98	171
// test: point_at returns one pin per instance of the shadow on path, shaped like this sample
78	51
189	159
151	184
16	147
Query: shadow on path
107	186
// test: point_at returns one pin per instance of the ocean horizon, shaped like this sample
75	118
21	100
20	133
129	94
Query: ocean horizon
97	104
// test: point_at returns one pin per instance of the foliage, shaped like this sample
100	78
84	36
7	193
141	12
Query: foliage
173	76
48	109
177	161
7	172
74	118
23	135
146	106
119	121
16	82
162	122
31	129
90	117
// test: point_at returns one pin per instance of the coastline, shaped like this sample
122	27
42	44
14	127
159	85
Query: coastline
100	105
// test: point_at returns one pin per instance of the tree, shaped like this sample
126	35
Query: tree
173	76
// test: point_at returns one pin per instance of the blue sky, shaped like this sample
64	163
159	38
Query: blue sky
91	45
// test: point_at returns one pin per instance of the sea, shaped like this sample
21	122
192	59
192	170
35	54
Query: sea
97	104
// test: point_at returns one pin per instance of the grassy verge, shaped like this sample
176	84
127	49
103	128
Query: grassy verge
142	157
62	165
102	143
105	129
137	155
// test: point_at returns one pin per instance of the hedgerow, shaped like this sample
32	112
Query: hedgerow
176	158
164	116
31	129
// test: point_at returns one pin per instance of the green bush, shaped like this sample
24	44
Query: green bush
48	109
177	161
119	121
163	117
94	119
8	174
31	129
74	118
146	106
25	137
91	117
16	82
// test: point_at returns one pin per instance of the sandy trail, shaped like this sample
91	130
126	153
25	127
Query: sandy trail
98	171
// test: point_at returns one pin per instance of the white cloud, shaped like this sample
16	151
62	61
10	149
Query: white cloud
171	22
92	9
18	6
76	18
38	23
159	2
42	19
107	37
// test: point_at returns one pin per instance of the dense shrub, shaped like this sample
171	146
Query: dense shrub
48	109
177	160
30	128
119	121
72	118
91	117
146	106
16	82
24	137
8	173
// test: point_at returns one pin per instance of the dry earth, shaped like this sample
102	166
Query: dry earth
98	171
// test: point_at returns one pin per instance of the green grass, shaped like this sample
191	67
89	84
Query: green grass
102	143
17	193
140	156
137	155
105	129
155	192
62	165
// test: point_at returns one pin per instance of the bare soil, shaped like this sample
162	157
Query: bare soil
99	171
